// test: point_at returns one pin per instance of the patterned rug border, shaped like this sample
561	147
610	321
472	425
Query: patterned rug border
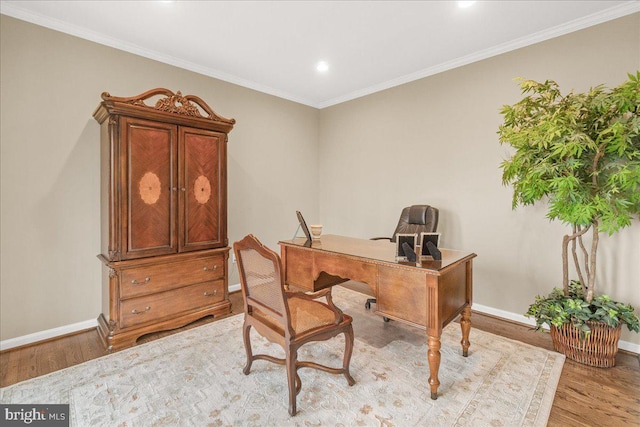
412	390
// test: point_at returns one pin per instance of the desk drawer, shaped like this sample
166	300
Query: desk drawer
151	308
298	267
403	294
160	277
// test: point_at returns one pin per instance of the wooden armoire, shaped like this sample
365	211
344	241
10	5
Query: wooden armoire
163	213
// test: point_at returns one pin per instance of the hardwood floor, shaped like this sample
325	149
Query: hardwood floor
585	396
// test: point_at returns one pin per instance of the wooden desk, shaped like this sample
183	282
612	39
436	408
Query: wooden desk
427	294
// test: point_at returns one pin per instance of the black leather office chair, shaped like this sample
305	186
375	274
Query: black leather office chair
413	219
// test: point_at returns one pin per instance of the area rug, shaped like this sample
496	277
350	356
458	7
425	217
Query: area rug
194	378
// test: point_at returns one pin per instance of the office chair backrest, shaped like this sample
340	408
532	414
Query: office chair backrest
417	219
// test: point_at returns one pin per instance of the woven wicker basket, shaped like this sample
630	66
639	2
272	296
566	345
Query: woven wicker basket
599	349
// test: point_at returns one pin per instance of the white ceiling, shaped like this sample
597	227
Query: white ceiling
274	46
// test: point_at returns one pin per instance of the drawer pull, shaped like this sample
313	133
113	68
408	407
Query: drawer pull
215	267
134	311
146	280
207	294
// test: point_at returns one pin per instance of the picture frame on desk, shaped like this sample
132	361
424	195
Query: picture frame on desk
303	225
429	253
401	239
426	237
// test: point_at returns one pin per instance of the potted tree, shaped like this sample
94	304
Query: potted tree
579	152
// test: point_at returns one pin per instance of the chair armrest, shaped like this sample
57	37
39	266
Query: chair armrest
316	295
381	238
308	295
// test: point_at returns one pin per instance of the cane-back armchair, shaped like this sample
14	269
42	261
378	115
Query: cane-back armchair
290	319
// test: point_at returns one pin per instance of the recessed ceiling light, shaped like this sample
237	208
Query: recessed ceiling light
322	66
465	4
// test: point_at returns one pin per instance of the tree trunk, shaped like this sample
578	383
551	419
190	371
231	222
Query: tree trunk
577	235
565	264
591	286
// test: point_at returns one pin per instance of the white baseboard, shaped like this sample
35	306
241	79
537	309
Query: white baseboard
49	333
624	345
503	314
62	330
88	324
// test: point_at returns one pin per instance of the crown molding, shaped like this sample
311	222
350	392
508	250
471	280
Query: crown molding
560	30
83	33
615	12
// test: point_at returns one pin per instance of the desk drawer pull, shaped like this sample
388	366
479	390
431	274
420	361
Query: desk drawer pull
134	311
208	294
135	281
215	267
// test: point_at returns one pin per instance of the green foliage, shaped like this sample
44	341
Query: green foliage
558	308
581	151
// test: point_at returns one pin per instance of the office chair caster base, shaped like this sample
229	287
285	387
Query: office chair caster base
386	319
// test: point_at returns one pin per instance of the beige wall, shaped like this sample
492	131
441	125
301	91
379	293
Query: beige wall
50	85
434	141
352	166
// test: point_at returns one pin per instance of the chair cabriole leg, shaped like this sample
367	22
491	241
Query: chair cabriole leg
247	347
348	350
292	358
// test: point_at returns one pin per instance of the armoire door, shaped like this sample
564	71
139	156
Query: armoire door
202	195
149	188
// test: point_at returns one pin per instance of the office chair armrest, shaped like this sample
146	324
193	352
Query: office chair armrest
316	295
381	238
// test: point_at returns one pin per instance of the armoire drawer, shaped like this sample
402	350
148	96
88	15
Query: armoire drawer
152	308
161	277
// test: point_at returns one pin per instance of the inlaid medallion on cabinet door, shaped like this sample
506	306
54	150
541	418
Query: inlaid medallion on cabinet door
148	202
203	185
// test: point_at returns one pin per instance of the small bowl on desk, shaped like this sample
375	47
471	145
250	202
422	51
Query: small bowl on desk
316	231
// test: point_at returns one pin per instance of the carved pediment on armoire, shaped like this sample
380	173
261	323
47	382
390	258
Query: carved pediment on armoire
163	104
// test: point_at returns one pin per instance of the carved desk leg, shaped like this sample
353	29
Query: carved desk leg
434	365
465	324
